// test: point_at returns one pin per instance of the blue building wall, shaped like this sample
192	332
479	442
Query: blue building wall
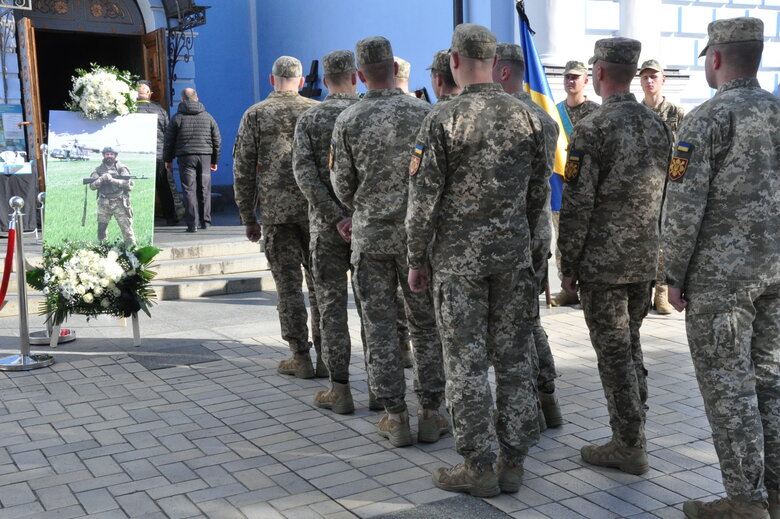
308	29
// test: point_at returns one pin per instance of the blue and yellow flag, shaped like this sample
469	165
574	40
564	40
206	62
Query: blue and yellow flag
536	85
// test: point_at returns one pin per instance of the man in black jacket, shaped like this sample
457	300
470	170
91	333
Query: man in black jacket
193	138
164	183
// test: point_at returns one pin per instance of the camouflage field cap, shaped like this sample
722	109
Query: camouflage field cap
373	50
652	64
510	52
441	62
734	30
404	68
287	66
575	68
473	41
338	61
622	51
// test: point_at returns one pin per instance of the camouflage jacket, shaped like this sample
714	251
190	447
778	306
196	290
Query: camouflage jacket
478	183
615	172
551	130
311	160
262	161
722	210
113	190
581	111
372	141
445	97
671	113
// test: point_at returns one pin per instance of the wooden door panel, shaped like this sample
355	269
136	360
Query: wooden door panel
155	64
28	71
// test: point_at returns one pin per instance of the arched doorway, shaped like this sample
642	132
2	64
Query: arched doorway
58	36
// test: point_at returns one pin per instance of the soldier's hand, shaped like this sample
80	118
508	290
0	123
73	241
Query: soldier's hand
169	166
214	167
569	284
674	295
253	232
344	227
419	279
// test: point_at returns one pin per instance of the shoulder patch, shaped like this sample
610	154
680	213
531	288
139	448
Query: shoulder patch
684	147
573	163
332	156
677	168
414	165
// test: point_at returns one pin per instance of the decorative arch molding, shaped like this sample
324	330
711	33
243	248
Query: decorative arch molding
96	16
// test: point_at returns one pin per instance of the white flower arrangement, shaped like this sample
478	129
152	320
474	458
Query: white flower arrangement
102	92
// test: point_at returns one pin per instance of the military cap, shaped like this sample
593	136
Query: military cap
109	149
404	68
576	68
441	62
373	50
287	66
652	64
510	52
338	61
473	41
734	30
623	51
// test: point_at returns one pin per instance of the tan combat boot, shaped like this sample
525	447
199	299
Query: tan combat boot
631	460
661	301
551	409
541	419
774	504
399	433
299	365
338	399
565	299
321	371
431	426
461	478
726	508
510	476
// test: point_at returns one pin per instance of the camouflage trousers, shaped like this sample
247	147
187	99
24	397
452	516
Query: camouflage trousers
376	279
733	335
120	209
556	220
543	364
486	321
330	262
614	314
287	250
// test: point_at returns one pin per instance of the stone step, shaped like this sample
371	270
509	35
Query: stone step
190	288
210	266
208	250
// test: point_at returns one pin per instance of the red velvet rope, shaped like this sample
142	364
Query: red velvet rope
9	260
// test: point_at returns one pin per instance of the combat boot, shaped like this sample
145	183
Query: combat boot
431	427
774	504
661	300
321	371
551	409
399	433
338	399
631	460
461	478
564	298
541	419
510	476
299	365
726	508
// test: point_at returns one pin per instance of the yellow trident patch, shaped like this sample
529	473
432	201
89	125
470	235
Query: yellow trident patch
677	168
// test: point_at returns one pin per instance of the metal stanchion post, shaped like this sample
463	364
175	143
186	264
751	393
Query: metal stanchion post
25	361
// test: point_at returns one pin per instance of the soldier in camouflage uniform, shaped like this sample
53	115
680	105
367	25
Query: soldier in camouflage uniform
651	76
722	241
263	176
478	200
509	74
113	196
330	248
372	140
442	82
571	110
609	235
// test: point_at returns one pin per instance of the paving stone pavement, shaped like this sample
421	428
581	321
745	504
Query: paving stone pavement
99	435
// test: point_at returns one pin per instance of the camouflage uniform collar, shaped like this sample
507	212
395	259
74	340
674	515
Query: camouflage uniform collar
740	82
340	95
620	98
284	93
383	92
482	87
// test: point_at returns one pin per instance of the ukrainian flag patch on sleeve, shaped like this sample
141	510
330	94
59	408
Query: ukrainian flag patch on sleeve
679	164
573	164
414	165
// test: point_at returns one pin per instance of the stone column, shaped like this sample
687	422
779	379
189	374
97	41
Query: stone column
640	20
560	29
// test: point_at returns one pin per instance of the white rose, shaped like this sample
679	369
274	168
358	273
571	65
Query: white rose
87	298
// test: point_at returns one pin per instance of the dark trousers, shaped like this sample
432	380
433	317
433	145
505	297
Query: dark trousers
195	172
164	194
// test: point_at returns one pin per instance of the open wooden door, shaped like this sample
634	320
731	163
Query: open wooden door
28	70
155	66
